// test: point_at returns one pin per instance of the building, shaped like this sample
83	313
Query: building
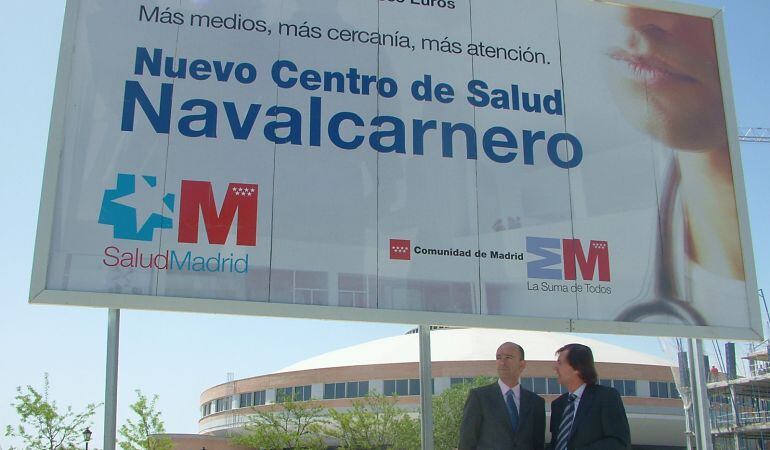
740	405
390	365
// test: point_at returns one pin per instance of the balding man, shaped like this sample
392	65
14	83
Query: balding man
504	415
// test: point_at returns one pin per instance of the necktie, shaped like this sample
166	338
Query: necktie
512	411
566	423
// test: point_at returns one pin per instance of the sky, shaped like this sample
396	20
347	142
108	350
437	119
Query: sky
178	355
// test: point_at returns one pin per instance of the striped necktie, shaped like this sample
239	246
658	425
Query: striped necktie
512	411
566	423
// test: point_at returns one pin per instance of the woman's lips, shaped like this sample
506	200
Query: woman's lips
649	70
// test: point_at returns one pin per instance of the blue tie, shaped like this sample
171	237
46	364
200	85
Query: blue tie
512	411
566	424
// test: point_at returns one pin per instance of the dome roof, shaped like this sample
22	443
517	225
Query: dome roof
469	344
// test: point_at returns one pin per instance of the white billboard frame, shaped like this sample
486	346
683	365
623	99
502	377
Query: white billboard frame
39	294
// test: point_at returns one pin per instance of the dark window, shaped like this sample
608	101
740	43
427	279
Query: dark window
619	386
539	385
414	386
339	390
247	399
363	388
282	394
389	388
630	386
553	386
663	390
526	383
607	383
402	387
297	393
674	391
329	391
352	390
224	404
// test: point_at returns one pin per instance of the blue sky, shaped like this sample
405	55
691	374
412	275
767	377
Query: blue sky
178	355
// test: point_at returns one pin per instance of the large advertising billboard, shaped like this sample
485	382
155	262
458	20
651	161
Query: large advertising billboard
554	165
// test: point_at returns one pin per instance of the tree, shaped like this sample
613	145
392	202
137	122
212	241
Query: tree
374	422
142	434
290	424
448	412
42	426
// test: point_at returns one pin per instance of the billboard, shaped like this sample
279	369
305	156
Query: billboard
555	165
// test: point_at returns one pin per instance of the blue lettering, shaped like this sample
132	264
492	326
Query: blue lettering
553	153
294	124
398	134
143	60
276	74
334	130
208	117
509	141
241	130
160	119
184	264
479	97
541	268
447	145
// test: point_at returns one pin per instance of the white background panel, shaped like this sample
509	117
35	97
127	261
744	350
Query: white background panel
223	159
428	199
517	199
325	196
95	150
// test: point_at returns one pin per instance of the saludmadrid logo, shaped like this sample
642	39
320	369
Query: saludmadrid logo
125	209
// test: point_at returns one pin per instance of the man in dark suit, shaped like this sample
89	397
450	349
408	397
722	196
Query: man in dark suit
504	415
589	416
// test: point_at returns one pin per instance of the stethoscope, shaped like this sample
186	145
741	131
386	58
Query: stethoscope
660	296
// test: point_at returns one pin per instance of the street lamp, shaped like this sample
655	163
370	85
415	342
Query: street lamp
87	436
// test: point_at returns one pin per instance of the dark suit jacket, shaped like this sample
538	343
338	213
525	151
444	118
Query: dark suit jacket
600	422
486	424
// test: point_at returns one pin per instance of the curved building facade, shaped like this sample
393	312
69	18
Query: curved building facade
390	366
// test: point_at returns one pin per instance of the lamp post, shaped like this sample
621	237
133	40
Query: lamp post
87	436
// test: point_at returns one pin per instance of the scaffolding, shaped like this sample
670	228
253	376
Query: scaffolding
740	405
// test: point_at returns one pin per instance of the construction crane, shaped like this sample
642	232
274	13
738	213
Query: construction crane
754	134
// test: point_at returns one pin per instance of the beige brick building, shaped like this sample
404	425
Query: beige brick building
390	365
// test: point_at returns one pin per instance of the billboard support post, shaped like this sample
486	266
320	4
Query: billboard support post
699	394
703	400
111	381
426	391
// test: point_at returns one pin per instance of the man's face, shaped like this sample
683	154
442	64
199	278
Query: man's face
509	364
566	374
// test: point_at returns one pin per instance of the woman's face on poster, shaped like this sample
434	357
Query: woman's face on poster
665	78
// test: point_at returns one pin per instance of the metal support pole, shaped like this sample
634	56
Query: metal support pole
700	396
111	382
426	389
685	384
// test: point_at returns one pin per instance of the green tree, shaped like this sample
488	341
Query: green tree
448	412
42	426
142	433
290	424
374	422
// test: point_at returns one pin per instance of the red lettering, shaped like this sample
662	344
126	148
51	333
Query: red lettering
598	255
197	198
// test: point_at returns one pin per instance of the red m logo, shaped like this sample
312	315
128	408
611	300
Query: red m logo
197	199
598	255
